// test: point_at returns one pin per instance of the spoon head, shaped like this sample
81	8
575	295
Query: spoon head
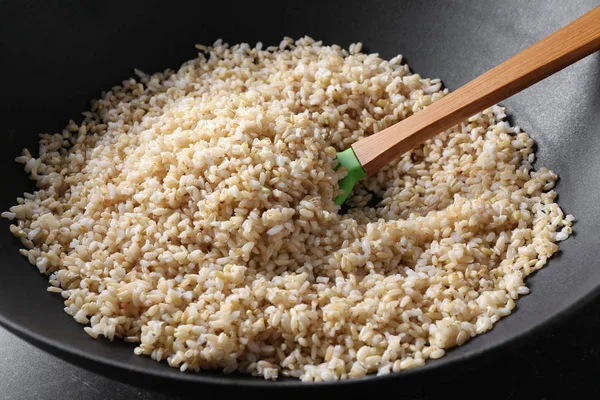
348	160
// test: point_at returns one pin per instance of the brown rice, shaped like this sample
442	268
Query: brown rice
191	212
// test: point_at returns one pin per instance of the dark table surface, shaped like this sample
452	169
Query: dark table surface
562	362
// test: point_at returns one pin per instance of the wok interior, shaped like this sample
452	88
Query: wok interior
59	57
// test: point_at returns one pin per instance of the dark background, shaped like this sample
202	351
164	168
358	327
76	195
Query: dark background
56	55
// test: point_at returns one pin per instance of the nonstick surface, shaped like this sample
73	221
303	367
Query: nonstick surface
57	55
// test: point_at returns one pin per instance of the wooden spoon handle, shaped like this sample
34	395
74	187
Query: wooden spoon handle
551	54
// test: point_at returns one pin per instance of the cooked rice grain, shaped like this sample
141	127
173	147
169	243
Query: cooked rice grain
192	212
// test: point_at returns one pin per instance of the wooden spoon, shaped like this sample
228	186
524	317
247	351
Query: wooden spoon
551	54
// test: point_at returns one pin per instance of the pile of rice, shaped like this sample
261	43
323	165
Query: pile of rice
192	213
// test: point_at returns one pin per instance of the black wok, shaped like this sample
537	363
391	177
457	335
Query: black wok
55	56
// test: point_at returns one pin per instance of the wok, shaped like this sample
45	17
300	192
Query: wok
58	55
